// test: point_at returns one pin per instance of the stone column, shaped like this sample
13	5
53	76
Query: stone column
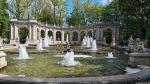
12	32
113	37
79	36
30	32
101	38
71	37
46	33
16	33
62	36
54	36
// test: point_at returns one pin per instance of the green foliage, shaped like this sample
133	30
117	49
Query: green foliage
148	39
4	20
42	33
85	13
23	33
108	36
50	33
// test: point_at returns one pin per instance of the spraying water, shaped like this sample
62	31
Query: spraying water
110	55
39	45
68	60
23	54
94	46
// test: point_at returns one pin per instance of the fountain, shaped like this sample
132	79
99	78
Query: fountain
110	55
2	53
67	39
88	44
50	40
23	52
94	46
40	44
84	41
69	59
46	42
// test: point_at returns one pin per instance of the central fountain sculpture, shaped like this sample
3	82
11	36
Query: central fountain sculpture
40	44
23	54
68	59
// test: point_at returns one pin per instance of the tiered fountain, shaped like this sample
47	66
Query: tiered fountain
23	54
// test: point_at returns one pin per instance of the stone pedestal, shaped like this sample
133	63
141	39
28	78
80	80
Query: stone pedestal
3	61
139	59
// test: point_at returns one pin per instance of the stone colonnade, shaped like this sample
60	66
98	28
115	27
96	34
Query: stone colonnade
58	33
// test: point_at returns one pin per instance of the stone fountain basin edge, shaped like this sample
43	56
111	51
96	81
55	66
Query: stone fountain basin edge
116	79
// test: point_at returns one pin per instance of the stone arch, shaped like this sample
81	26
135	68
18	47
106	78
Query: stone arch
23	34
90	33
50	33
75	36
107	33
58	36
82	34
42	33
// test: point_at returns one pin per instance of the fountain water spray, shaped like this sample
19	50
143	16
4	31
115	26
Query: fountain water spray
110	55
46	42
50	40
40	44
68	60
94	45
88	44
23	54
84	41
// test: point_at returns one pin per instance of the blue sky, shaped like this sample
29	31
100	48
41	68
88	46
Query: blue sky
100	2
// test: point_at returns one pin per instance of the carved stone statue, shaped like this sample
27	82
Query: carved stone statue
131	43
136	46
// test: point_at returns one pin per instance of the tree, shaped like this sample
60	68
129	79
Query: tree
135	16
23	33
4	20
19	8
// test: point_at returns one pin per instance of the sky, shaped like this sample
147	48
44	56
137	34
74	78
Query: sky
100	2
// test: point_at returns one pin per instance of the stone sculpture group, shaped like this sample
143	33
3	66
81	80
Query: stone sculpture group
135	46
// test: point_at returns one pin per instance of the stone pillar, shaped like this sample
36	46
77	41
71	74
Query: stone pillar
113	38
101	32
30	32
46	33
54	36
79	36
62	36
12	32
16	33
